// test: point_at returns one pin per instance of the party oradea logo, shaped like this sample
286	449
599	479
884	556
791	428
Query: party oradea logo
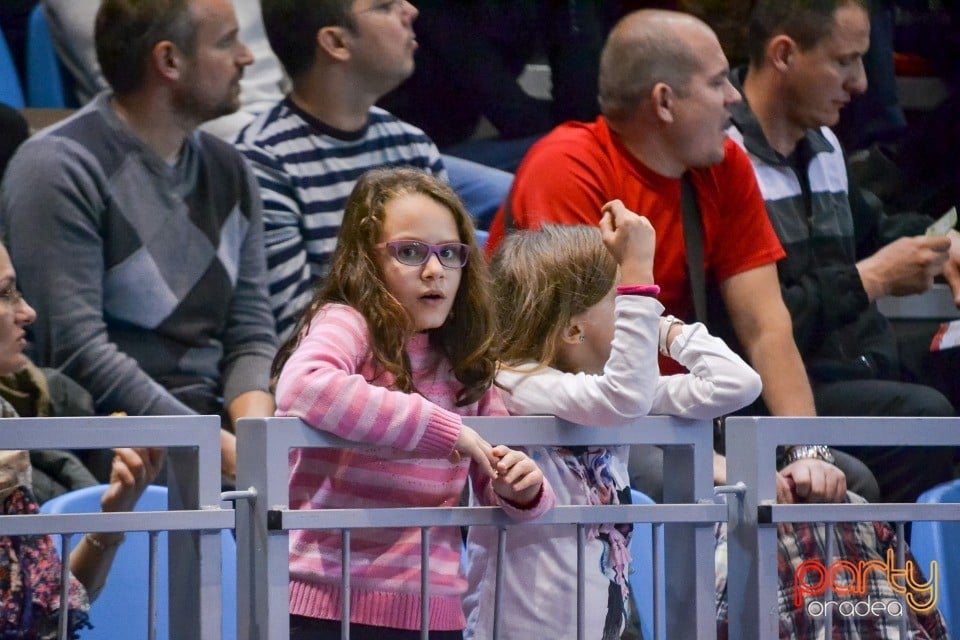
849	580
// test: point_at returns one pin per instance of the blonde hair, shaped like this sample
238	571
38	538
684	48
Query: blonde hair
541	280
356	279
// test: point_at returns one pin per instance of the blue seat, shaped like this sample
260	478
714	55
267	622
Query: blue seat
641	574
121	609
940	542
11	93
45	79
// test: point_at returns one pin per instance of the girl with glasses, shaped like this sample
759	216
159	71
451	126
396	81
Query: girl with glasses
395	347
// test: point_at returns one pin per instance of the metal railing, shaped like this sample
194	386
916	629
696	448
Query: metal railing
264	522
194	518
752	536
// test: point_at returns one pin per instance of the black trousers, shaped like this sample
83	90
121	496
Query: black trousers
903	473
939	370
930	387
303	628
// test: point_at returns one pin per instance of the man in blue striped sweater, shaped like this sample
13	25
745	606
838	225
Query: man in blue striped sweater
307	152
842	252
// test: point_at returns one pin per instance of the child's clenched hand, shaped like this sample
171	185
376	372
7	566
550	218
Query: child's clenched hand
519	479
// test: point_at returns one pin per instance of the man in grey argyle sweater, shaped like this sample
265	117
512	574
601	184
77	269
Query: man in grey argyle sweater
139	239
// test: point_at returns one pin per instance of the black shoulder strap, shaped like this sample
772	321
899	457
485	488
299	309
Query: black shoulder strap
693	242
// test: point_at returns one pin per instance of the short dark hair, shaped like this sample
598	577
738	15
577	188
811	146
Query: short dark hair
127	30
642	50
807	22
292	27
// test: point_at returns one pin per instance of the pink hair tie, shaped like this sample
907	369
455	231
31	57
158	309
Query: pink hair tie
638	290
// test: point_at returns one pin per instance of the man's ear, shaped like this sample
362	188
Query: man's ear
167	60
333	42
780	52
662	97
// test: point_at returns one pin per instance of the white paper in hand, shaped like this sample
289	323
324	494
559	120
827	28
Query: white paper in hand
943	224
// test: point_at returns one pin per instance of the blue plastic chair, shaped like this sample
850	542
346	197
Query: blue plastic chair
121	609
641	575
11	93
45	80
940	542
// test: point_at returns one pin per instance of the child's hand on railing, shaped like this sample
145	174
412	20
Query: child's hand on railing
519	479
469	443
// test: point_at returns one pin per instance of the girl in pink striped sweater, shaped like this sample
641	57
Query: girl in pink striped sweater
395	347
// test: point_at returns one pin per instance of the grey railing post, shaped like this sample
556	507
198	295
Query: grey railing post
751	548
195	582
263	574
688	478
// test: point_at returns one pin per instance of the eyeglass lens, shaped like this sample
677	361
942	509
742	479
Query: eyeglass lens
452	255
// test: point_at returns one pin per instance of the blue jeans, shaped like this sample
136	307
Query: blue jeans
494	152
481	188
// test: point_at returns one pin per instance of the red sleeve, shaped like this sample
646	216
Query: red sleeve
560	181
741	237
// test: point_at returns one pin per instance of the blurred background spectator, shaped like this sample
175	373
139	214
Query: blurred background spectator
14	16
464	76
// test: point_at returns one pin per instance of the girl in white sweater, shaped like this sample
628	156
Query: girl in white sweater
578	346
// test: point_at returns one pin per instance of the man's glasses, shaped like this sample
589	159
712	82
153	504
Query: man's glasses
452	255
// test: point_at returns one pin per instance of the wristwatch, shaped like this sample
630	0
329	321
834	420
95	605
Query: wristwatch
815	451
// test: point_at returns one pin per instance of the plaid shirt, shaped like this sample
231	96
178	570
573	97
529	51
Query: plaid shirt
855	542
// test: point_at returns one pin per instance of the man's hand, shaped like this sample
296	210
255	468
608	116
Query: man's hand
252	404
904	267
811	480
719	469
228	457
951	268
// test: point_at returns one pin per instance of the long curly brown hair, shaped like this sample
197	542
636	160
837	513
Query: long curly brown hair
356	279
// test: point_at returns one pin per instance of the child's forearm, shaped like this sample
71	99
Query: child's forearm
719	381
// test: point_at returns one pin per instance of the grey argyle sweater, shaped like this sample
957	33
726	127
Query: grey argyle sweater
148	279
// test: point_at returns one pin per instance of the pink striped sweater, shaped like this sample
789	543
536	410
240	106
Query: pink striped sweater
330	383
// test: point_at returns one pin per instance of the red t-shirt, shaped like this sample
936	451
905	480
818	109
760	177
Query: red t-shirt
569	174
